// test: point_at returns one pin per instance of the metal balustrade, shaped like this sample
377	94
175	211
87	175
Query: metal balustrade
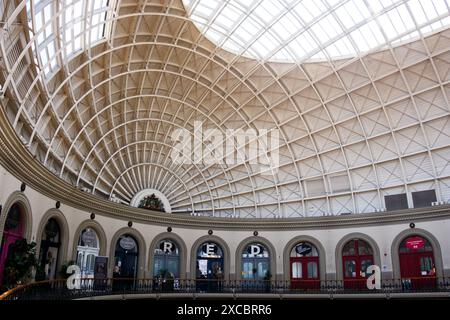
58	290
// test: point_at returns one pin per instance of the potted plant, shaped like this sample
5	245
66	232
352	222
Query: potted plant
151	202
20	263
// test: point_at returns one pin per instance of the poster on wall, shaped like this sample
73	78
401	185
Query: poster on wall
101	267
50	266
100	271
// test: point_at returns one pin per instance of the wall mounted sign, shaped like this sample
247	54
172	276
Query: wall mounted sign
101	267
167	246
415	243
303	248
127	243
210	250
89	238
255	251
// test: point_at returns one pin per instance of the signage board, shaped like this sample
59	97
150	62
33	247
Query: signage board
127	243
415	243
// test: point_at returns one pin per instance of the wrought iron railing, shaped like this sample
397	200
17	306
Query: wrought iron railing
58	289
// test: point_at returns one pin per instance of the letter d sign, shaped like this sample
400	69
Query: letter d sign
374	281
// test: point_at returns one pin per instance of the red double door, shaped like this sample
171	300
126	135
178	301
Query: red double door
305	273
355	271
8	239
417	270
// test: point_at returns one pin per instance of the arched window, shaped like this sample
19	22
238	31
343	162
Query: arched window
304	260
126	257
49	253
209	267
88	248
166	259
13	231
255	263
357	256
417	267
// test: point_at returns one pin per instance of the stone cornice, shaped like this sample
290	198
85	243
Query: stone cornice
16	158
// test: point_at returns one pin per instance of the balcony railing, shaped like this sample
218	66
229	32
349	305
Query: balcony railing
58	290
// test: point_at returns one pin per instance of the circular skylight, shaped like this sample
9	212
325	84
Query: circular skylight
298	30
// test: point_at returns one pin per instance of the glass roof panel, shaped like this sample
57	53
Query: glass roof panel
268	29
81	23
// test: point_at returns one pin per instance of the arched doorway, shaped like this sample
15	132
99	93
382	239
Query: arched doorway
357	256
13	231
87	250
417	266
209	267
255	262
126	257
255	265
49	252
304	261
166	259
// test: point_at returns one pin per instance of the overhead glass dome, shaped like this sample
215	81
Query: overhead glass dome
297	30
68	26
94	90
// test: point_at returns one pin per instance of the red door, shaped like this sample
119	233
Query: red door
355	271
305	273
357	256
417	270
12	232
8	239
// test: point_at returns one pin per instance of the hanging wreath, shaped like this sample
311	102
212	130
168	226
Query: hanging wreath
151	202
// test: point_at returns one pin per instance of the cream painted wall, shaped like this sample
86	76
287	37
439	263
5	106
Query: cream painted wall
383	235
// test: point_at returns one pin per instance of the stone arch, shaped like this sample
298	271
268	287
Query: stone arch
313	241
142	250
437	253
21	199
221	243
340	246
100	234
64	229
181	246
248	241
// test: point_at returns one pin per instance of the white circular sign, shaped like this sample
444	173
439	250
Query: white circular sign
127	243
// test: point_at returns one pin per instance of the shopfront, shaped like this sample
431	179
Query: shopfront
13	231
304	262
87	250
126	260
417	265
49	251
255	265
357	256
209	267
166	260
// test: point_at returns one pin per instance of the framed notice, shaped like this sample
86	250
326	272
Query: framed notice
101	267
100	272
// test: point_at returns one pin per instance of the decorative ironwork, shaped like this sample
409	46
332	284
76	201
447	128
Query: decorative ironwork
57	289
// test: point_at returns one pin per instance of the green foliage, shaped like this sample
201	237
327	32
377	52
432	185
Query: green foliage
151	203
20	262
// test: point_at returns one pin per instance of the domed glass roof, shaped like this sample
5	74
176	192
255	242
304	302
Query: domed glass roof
297	30
357	92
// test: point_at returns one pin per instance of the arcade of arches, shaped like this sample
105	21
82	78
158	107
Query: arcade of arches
303	257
